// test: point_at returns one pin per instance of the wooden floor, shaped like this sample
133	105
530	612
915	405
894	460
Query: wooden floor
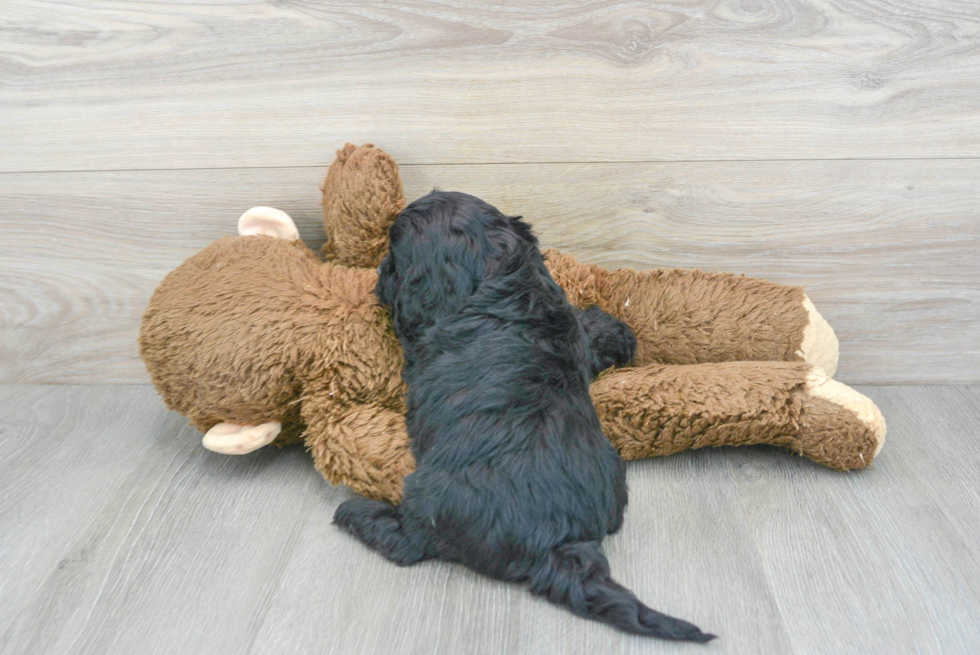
120	534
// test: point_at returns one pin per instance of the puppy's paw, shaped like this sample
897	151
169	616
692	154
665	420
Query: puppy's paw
611	341
356	514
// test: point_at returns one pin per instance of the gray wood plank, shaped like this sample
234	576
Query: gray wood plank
149	543
104	84
63	451
118	534
887	250
883	560
939	440
873	562
684	549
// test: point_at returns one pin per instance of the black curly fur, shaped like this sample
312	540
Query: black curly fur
514	477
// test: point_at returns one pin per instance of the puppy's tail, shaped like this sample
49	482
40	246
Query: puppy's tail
577	576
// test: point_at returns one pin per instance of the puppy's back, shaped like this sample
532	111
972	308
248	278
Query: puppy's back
514	477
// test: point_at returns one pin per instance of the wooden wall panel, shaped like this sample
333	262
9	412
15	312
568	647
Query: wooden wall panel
104	84
889	251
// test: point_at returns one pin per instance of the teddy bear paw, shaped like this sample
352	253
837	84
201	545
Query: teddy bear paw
841	427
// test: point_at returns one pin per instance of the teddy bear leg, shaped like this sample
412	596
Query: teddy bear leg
235	439
266	221
692	317
682	316
663	409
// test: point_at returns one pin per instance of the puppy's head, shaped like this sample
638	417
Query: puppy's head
441	248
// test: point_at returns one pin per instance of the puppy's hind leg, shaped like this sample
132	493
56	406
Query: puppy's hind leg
380	527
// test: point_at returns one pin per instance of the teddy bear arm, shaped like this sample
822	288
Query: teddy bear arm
362	196
363	446
660	410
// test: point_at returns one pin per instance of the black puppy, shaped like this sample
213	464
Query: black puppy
514	477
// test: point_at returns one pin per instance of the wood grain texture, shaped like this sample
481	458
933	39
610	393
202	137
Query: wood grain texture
108	84
117	538
118	534
63	450
848	555
942	451
888	251
684	517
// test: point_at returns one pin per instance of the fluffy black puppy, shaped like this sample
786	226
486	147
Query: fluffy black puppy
514	477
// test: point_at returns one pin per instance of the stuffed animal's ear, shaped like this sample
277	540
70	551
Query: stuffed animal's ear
266	221
362	196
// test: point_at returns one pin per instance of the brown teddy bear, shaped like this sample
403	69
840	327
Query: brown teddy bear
256	340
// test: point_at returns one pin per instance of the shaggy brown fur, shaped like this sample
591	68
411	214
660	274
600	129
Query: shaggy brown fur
362	196
727	404
254	329
684	316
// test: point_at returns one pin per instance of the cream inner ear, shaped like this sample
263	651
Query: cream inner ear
235	439
267	221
